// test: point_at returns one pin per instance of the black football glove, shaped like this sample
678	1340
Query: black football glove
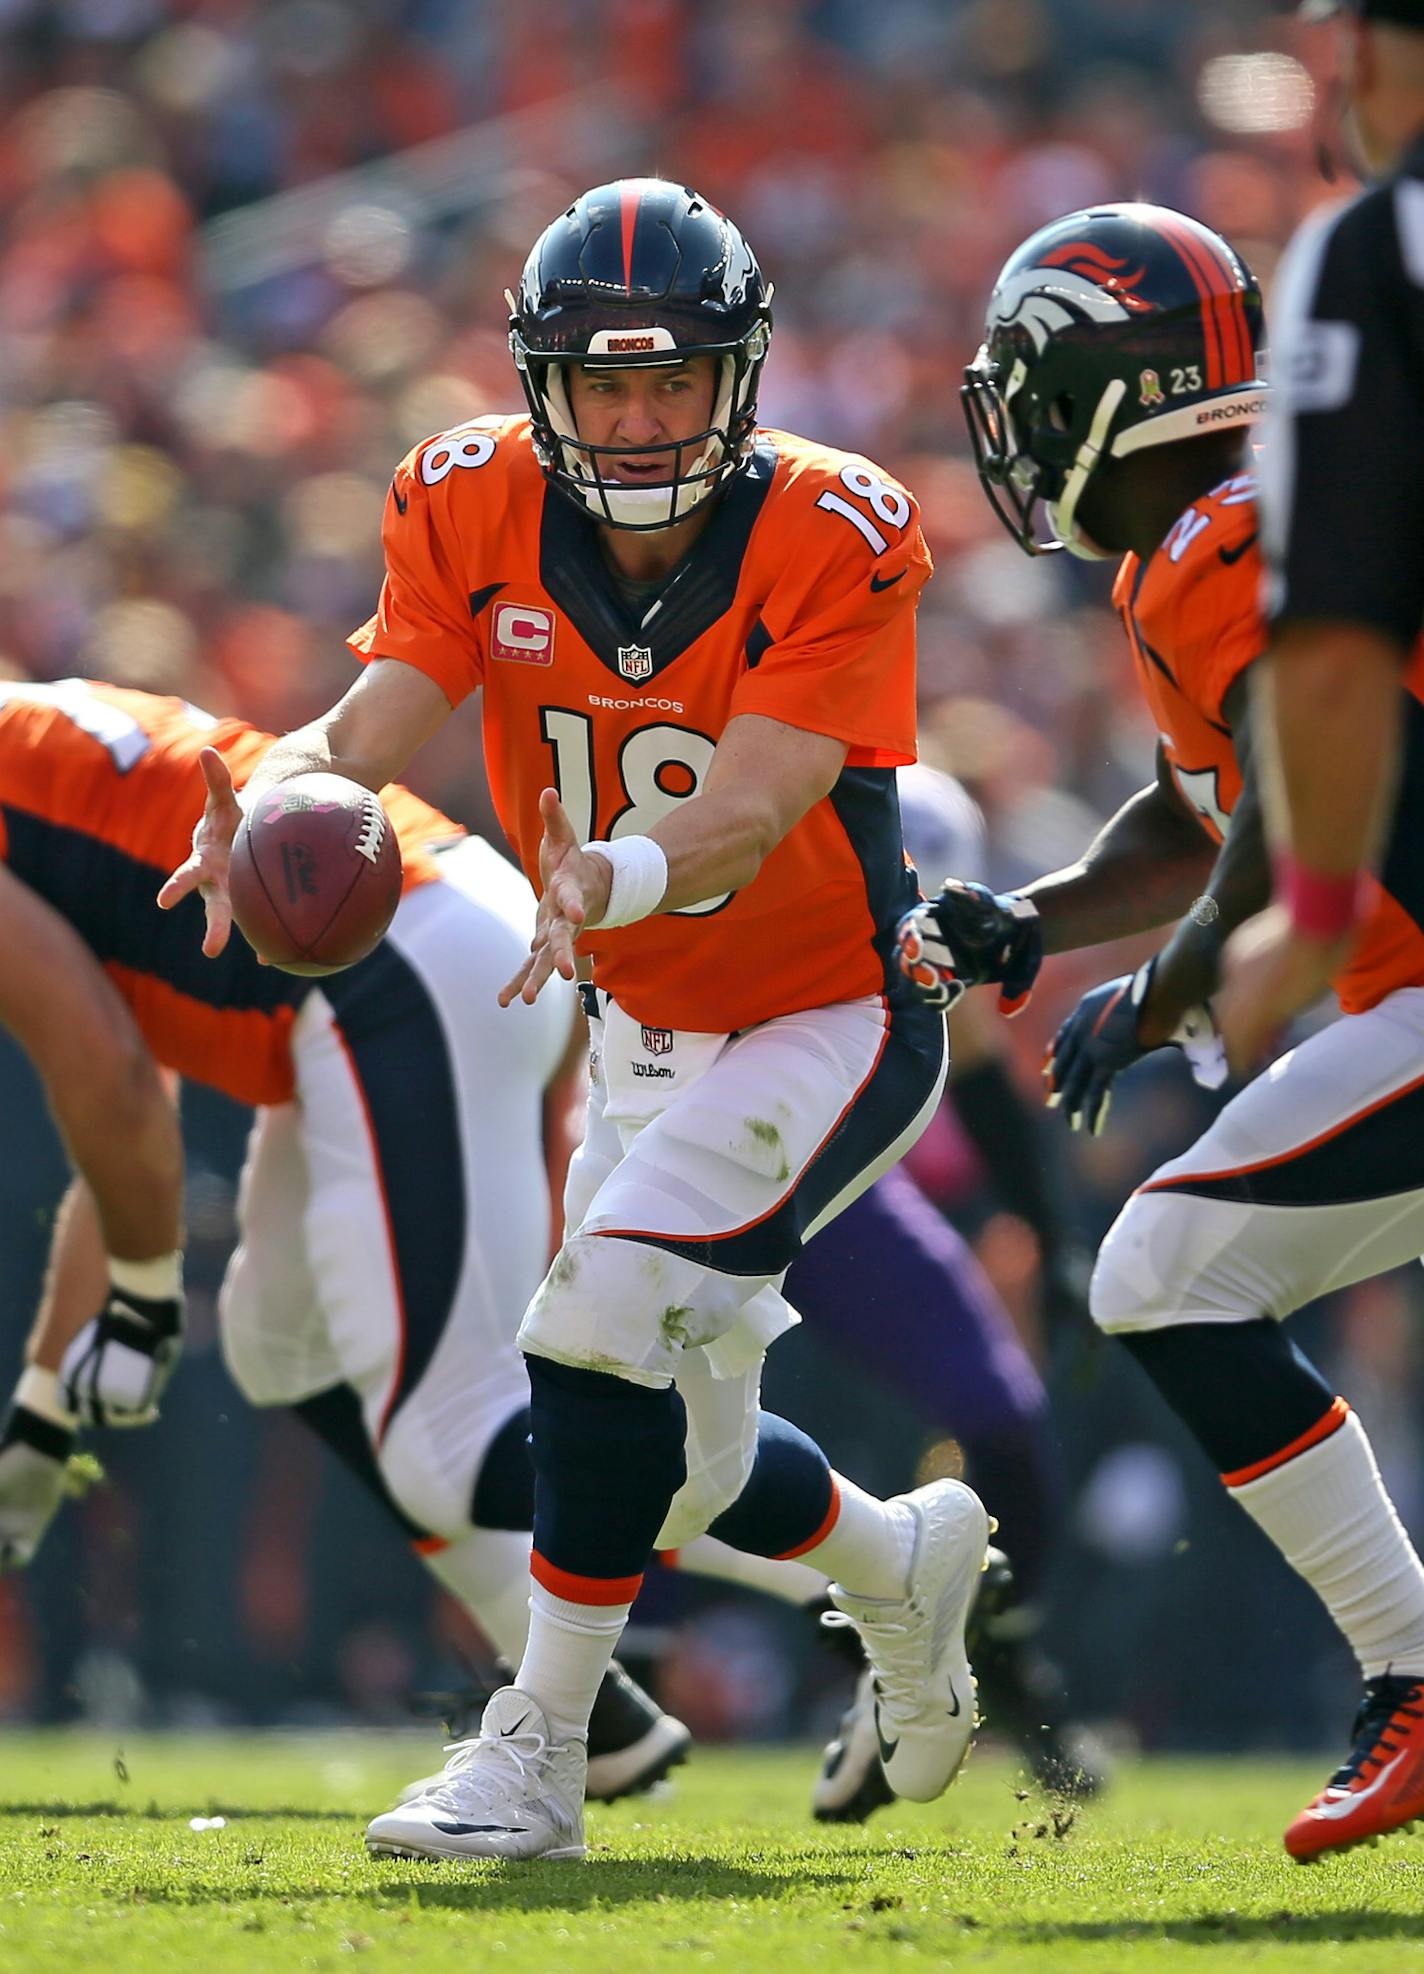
114	1372
1099	1040
1094	1045
966	937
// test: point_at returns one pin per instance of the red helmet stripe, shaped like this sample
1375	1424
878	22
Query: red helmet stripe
1235	310
1230	309
1223	305
632	199
1213	335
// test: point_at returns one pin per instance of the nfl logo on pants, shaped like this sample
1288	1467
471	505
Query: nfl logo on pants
657	1041
635	661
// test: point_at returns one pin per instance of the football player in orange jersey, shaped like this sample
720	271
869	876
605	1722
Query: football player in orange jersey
695	643
1117	370
375	1298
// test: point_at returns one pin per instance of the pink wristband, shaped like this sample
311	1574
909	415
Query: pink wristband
1321	905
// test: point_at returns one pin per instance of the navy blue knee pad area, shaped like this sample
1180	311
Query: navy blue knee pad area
783	1508
504	1486
609	1456
1244	1389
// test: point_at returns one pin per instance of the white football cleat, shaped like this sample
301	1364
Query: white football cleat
632	1743
511	1793
923	1712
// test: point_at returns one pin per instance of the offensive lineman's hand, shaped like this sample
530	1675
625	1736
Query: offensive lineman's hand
206	869
576	891
114	1371
34	1456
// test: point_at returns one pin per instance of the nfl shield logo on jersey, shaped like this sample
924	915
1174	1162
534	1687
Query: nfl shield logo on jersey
657	1041
635	661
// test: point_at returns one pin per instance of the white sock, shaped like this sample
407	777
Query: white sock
868	1550
788	1579
1327	1512
487	1571
566	1657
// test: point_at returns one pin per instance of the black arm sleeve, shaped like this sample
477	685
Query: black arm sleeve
1342	493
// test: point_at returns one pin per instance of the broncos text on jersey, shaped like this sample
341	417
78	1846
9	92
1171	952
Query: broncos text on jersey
797	602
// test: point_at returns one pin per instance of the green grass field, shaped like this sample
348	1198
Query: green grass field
1181	1868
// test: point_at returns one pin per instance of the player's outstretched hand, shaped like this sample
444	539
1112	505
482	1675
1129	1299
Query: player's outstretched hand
967	937
576	890
206	869
1270	973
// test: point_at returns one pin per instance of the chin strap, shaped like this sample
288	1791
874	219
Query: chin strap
1061	512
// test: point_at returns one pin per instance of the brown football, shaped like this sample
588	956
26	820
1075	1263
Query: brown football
315	875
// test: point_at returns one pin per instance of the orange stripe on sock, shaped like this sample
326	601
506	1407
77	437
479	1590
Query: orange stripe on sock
1329	1422
814	1541
583	1589
429	1545
667	1557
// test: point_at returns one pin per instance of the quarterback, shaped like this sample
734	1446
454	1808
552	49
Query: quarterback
695	642
1117	375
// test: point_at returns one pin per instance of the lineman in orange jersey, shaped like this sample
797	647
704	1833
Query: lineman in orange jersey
1099	393
394	1209
695	642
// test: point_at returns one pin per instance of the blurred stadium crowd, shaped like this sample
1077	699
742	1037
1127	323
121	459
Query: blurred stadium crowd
249	254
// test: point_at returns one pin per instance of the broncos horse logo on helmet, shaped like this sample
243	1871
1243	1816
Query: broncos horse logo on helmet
1087	282
1109	330
640	272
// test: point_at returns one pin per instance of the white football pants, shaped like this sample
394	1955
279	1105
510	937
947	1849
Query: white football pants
395	1218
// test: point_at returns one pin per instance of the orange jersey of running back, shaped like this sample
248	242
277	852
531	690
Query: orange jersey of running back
99	792
1194	621
796	602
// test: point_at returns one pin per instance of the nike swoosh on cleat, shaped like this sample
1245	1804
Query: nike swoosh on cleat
1343	1805
887	1748
888	582
1233	555
954	1710
479	1829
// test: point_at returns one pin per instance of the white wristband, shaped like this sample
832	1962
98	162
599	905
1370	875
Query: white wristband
40	1391
640	878
159	1280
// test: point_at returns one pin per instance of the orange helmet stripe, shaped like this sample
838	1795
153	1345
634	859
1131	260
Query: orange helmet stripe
632	199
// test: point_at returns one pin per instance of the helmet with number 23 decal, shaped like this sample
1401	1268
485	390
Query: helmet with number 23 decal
640	272
1108	331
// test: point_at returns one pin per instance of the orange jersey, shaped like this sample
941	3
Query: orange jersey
99	792
1194	622
797	602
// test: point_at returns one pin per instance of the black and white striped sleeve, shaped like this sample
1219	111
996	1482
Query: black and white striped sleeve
1342	482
